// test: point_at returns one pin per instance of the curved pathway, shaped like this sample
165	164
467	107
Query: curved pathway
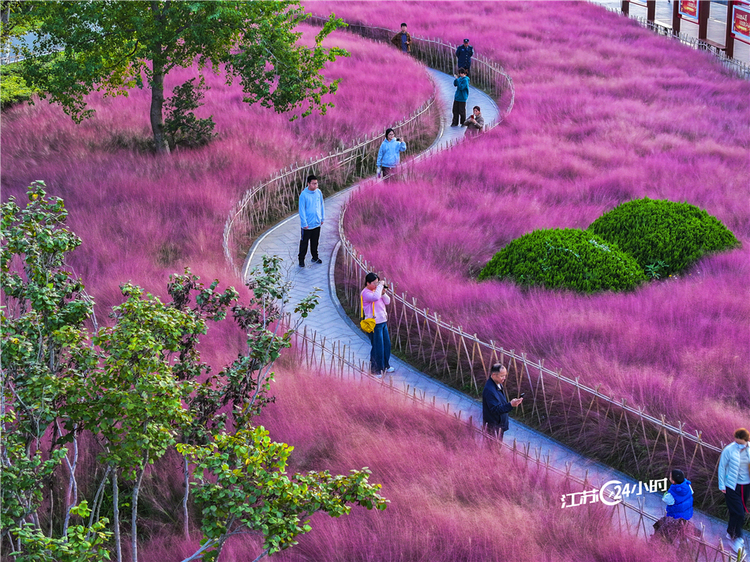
330	321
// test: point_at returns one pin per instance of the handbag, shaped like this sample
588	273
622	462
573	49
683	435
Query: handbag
367	324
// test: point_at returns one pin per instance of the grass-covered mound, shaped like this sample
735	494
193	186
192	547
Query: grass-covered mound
565	259
664	237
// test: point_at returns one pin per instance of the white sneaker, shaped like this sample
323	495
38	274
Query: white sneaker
390	370
737	544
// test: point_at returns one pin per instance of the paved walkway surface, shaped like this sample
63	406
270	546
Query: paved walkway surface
330	321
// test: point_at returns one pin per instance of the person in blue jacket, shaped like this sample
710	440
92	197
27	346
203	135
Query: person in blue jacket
464	54
495	404
312	214
679	497
459	99
389	153
675	526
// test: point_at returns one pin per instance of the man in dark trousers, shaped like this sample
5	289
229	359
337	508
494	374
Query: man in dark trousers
402	40
464	54
495	405
312	213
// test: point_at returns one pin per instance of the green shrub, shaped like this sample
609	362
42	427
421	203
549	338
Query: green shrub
565	259
181	126
13	89
664	237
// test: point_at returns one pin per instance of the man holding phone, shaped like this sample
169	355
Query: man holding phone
495	404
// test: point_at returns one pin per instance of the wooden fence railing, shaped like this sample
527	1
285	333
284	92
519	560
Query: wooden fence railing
334	359
738	67
277	197
597	425
486	74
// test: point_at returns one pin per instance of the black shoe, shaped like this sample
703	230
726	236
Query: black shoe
302	264
317	260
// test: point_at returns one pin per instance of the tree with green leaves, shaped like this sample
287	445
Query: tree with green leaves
78	543
111	46
140	388
44	351
242	487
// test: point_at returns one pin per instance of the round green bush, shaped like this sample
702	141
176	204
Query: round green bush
565	259
664	237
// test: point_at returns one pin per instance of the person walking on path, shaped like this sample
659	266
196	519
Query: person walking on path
374	301
402	39
464	54
495	404
475	122
312	213
459	99
734	483
389	153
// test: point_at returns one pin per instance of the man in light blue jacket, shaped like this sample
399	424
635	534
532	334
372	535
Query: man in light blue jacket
734	482
312	213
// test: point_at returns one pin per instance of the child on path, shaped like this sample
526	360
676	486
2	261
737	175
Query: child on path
679	497
675	526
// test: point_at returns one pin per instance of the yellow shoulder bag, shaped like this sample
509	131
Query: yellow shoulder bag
367	324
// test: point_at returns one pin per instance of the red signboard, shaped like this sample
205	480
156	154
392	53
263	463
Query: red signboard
741	22
689	9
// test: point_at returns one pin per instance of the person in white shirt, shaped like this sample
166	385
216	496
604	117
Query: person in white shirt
734	483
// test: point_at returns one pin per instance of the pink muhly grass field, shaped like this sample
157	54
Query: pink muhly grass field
451	498
604	112
143	217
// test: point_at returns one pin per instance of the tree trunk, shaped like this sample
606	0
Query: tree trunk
134	514
116	501
157	101
94	516
72	497
185	514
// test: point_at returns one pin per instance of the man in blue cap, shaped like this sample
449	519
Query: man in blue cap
464	54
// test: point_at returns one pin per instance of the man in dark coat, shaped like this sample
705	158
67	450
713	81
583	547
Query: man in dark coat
495	404
464	54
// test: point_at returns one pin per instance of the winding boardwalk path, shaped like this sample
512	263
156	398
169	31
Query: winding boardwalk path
330	321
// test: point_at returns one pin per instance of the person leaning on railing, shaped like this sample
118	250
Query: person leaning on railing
734	483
